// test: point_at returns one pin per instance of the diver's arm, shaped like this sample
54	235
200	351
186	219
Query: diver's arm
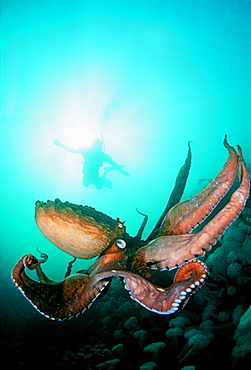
68	148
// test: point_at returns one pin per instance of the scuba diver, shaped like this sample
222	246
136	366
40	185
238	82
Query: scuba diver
94	159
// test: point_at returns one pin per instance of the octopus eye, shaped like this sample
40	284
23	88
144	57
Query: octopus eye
121	243
120	225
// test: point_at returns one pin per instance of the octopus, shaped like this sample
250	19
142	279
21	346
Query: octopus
175	243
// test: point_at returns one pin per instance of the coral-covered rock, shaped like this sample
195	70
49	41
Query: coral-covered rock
242	337
149	366
154	349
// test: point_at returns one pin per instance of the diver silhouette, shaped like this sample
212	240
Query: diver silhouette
94	161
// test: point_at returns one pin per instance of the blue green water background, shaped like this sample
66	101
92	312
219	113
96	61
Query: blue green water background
148	76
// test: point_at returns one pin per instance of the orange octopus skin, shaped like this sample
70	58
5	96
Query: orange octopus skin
185	216
189	278
79	235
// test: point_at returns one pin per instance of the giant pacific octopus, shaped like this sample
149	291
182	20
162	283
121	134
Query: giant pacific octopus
84	233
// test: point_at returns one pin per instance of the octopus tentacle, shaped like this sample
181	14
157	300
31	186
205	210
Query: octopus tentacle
185	216
142	226
58	301
216	227
170	251
44	257
187	281
40	274
177	191
69	267
30	262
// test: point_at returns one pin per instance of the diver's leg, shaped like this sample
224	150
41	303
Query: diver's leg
106	182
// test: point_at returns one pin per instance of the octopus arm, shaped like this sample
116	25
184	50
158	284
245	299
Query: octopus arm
188	279
185	216
177	191
170	251
57	301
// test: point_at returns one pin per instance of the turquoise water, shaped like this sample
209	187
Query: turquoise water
147	77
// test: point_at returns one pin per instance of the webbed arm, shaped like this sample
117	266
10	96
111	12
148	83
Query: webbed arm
56	300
